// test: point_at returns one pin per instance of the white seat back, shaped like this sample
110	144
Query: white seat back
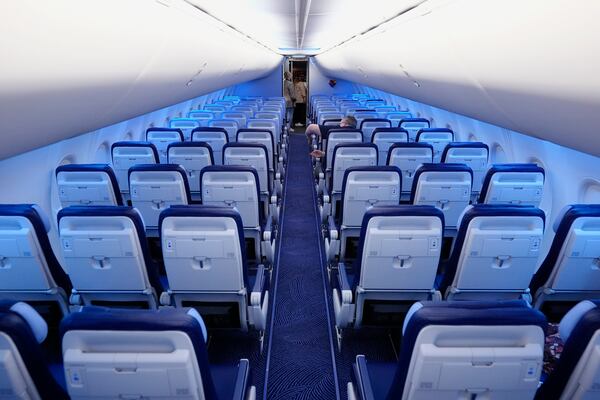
216	109
438	140
125	157
401	253
113	364
103	254
351	156
272	124
201	116
202	254
365	189
367	127
216	141
329	115
251	156
396	116
450	191
230	125
475	158
384	140
86	188
413	127
383	111
409	159
237	189
237	116
523	188
246	109
336	138
499	253
362	115
152	191
23	264
161	139
185	124
264	138
192	159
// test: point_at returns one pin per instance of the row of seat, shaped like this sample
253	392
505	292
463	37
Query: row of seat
494	256
449	350
108	261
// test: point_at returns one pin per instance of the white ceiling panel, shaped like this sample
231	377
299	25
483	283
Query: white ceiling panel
279	24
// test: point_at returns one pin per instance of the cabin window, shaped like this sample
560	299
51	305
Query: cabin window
589	192
498	155
103	153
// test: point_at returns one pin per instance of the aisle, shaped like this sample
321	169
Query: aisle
300	363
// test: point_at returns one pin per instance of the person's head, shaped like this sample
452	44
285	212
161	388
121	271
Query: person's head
348	122
287	75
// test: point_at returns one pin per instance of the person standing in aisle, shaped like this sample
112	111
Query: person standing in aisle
290	98
300	109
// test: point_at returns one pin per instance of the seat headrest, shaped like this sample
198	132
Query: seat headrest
175	130
572	318
38	325
495	210
132	143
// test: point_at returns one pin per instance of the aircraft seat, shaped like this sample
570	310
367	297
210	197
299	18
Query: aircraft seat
445	186
205	260
238	187
29	269
576	375
368	126
107	257
414	125
474	154
161	138
384	138
154	187
570	271
25	372
521	184
186	125
216	139
495	253
362	189
126	154
112	353
192	157
459	350
87	184
438	138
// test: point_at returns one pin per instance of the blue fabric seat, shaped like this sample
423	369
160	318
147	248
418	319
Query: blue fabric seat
30	270
238	186
155	187
445	186
575	375
107	256
201	273
129	153
495	252
445	337
397	260
569	273
140	337
215	137
521	184
162	137
88	184
22	331
192	156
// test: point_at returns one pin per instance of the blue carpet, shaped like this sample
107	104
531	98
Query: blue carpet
300	361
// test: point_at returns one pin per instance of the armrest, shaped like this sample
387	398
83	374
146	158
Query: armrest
241	381
256	296
268	234
332	228
344	285
361	374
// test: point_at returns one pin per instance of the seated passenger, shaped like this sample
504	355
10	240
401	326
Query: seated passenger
322	131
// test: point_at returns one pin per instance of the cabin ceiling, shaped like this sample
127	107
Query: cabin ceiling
303	26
